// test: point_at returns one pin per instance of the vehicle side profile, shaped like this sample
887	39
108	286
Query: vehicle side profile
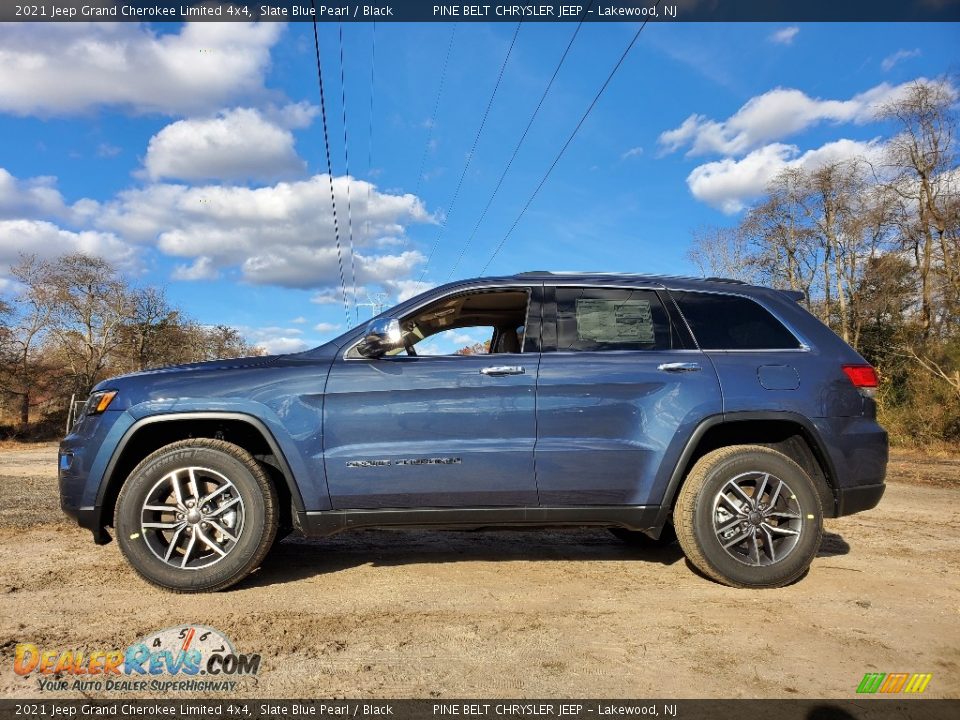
712	412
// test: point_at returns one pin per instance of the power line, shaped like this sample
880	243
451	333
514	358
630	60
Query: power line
436	106
473	148
326	144
346	160
373	67
546	91
565	146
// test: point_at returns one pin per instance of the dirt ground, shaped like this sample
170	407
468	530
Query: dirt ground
513	614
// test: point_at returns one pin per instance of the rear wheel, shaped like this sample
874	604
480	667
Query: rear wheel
197	515
750	517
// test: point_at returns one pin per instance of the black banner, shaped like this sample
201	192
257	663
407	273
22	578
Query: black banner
873	708
436	11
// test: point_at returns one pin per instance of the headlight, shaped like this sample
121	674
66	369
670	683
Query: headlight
100	401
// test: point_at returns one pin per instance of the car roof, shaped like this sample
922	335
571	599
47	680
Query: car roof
674	282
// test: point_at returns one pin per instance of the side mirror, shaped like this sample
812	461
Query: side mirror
382	336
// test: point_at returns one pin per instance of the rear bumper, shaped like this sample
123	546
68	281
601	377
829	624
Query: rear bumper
857	499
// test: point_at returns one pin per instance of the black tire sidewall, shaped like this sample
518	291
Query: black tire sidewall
133	543
799	559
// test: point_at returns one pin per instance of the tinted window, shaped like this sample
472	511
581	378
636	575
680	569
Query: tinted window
599	319
727	322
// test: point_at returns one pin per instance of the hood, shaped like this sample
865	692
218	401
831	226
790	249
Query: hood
228	364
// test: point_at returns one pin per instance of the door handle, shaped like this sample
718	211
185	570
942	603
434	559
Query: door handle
498	370
679	367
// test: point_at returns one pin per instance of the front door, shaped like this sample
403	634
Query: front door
620	389
439	429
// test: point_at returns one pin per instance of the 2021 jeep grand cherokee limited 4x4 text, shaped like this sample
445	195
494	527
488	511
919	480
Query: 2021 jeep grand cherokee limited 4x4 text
721	414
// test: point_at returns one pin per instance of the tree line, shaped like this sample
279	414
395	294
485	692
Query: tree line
874	244
74	321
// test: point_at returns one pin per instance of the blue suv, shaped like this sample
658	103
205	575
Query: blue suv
715	413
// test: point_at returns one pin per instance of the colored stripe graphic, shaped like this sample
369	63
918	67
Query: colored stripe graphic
871	682
894	683
914	683
918	682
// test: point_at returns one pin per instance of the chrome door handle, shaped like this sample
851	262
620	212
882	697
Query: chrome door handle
497	370
679	367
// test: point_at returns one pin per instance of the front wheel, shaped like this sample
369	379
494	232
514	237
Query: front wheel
196	515
749	517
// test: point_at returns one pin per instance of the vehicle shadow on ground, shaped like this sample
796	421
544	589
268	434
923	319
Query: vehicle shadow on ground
832	545
297	558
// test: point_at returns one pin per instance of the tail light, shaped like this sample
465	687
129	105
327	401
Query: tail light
864	379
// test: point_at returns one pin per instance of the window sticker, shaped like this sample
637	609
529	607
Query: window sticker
615	321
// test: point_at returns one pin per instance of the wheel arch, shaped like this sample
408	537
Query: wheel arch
787	432
153	432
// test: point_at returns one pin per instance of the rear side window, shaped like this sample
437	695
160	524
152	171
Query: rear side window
592	319
728	322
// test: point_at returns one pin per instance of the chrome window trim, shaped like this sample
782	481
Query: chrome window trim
527	287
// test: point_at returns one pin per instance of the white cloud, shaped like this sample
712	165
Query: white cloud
107	150
281	234
891	60
63	68
325	327
406	289
47	240
238	144
281	345
730	184
276	340
200	269
785	36
774	115
299	320
34	197
632	152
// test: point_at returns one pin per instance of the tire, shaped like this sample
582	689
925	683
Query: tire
668	536
199	546
709	508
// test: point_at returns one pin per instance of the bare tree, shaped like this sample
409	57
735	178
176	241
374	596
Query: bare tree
922	165
723	252
91	304
28	318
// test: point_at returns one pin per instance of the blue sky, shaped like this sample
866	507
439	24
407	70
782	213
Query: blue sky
193	157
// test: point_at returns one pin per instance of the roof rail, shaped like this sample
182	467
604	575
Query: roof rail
733	281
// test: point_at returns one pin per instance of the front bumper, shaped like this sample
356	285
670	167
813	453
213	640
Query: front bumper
80	469
90	518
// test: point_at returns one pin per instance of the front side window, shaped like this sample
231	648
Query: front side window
486	322
598	319
731	322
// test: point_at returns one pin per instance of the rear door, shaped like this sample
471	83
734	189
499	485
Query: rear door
620	389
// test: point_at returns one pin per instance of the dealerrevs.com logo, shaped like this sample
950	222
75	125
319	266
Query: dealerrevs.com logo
176	659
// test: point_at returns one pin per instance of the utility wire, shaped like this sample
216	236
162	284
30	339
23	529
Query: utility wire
473	148
346	160
373	68
546	91
563	149
326	144
436	106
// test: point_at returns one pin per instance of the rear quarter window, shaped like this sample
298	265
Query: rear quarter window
730	322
